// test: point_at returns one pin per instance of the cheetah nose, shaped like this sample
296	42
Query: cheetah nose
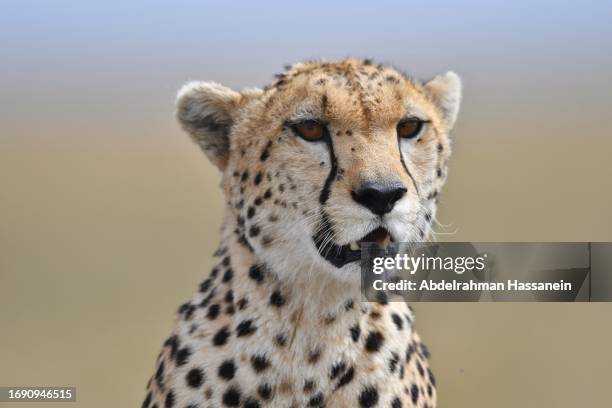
379	197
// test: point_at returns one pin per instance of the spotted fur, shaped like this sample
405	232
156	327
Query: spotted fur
275	324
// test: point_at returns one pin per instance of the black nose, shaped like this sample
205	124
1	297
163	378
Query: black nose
379	197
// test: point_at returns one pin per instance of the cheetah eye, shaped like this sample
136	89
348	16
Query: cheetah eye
310	130
407	129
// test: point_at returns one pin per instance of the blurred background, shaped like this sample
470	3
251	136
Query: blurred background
109	214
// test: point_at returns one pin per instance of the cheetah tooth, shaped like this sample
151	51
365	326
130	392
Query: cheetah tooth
386	242
354	246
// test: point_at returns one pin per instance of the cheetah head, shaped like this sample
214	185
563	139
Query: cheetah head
328	157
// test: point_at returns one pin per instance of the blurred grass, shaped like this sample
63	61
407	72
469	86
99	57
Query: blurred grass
100	243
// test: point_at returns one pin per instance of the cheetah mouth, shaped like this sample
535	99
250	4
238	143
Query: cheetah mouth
340	255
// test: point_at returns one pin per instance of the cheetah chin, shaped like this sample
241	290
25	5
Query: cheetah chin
329	159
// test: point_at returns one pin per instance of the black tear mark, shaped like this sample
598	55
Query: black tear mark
325	192
399	146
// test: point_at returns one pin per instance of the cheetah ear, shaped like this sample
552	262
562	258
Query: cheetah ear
445	91
206	110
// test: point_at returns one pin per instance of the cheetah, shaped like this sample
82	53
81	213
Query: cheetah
328	157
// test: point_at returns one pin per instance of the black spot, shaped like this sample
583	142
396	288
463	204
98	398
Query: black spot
314	356
245	176
245	328
414	393
347	377
231	397
250	212
195	378
264	391
173	343
186	310
256	273
355	332
258	201
309	386
329	319
254	231
169	402
257	178
220	338
213	311
251	403
399	323
429	390
243	241
182	356
409	352
205	285
280	340
396	403
242	303
230	310
337	369
316	400
420	368
227	370
391	78
208	298
277	299
267	194
431	377
440	147
424	350
147	401
228	275
229	296
374	341
159	374
265	152
368	397
226	261
349	304
393	362
439	172
259	363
